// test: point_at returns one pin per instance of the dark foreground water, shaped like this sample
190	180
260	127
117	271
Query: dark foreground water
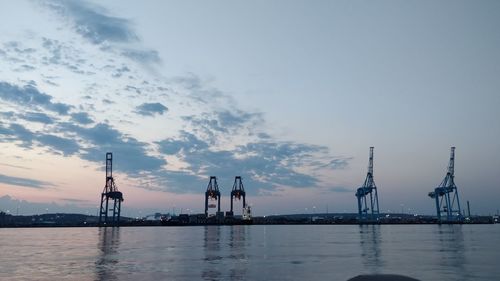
281	252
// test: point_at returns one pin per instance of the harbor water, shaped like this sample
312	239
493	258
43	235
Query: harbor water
251	252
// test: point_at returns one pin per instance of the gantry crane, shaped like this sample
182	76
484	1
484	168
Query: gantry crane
446	195
368	208
110	192
212	193
238	192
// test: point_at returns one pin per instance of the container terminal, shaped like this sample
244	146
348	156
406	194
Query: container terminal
445	197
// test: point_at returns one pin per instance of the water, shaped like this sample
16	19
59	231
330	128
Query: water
272	252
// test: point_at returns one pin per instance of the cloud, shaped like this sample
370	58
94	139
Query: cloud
226	119
143	56
23	182
338	163
264	165
90	144
131	154
24	67
16	47
199	90
238	148
18	132
118	72
8	114
175	181
205	124
150	109
264	136
72	139
60	108
82	118
29	139
50	82
93	22
63	54
55	49
66	146
187	142
132	89
39	117
232	123
107	102
236	118
189	81
29	96
100	134
14	52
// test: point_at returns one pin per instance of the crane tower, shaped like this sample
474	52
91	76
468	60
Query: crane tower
212	193
110	192
446	195
368	208
238	192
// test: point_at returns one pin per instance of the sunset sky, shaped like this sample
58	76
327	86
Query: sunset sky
289	95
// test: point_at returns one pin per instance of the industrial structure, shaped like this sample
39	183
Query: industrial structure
110	192
212	193
446	196
238	192
368	208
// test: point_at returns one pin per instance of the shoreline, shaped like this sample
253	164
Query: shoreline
159	224
80	220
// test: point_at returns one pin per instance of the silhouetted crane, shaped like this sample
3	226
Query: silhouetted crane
212	193
368	208
238	192
446	195
110	192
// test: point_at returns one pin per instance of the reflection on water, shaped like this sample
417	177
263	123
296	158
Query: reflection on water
108	258
452	250
211	247
225	253
238	252
324	252
370	241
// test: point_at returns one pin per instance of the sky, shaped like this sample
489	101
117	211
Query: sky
289	95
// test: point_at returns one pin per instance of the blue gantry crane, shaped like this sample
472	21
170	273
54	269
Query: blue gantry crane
368	208
446	196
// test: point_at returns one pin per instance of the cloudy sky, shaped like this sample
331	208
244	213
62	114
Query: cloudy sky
289	95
